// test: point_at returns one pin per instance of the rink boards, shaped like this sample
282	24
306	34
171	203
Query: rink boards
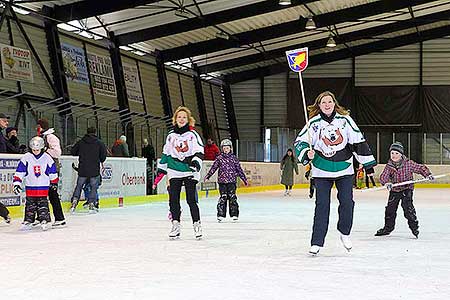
121	177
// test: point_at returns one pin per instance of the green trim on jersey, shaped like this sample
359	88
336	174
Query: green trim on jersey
370	163
328	165
177	165
348	121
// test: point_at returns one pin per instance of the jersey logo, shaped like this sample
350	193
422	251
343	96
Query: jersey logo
37	170
182	147
331	136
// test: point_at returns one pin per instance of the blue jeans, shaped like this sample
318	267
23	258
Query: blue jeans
92	198
323	186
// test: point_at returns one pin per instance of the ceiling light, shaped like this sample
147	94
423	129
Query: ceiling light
222	35
310	24
331	42
126	48
284	2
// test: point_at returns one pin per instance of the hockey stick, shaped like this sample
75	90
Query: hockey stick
404	183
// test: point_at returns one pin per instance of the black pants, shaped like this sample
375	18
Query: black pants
344	186
288	187
53	196
408	209
227	193
4	212
371	179
191	199
311	187
39	206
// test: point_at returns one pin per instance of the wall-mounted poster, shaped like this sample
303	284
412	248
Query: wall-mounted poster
16	63
75	67
132	83
102	76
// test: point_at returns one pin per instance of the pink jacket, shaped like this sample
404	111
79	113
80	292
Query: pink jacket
54	145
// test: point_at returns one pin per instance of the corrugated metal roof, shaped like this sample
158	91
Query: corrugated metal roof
163	12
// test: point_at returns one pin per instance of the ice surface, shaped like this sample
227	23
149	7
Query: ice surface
124	253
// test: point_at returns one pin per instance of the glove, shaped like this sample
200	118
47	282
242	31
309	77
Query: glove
54	186
194	166
430	177
388	186
17	189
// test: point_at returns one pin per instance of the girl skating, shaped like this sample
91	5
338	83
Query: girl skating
229	168
288	165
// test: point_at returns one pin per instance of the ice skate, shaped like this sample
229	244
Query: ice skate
198	229
235	218
73	206
92	209
415	232
8	220
346	242
220	219
175	231
44	225
36	223
314	250
383	231
26	226
59	224
285	192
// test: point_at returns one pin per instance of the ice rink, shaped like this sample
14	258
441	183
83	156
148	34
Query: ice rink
124	253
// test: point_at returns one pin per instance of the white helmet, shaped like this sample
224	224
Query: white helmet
37	143
226	142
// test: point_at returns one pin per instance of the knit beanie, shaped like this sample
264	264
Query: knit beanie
397	146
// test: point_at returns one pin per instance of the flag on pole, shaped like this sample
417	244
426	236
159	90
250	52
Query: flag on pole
297	59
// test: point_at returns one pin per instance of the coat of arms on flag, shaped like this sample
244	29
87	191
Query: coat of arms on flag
297	59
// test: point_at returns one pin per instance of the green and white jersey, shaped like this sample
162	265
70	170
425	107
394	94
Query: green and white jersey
335	142
180	152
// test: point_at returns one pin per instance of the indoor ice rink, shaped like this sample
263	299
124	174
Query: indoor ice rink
125	253
113	114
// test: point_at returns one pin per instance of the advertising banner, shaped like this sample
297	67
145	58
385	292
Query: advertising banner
102	76
75	67
132	83
16	63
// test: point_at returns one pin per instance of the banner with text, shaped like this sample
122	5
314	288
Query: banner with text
16	63
102	76
75	67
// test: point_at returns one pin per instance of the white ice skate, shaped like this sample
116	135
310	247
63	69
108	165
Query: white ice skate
59	224
175	231
92	209
235	218
73	206
289	193
314	250
198	229
220	219
44	225
26	226
346	242
286	192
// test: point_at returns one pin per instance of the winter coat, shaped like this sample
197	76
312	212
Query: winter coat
120	149
211	152
52	143
402	171
3	141
12	145
91	152
149	153
288	166
182	154
229	168
335	139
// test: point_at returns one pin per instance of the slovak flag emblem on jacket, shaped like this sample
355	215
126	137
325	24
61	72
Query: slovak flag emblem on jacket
37	170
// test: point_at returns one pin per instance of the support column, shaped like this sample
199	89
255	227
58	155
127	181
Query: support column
163	86
122	98
230	112
201	103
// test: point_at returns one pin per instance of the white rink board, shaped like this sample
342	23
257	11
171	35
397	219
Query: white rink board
122	177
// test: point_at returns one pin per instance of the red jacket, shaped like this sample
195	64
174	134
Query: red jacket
211	152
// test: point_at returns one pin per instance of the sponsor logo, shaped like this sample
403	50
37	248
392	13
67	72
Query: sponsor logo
133	180
107	172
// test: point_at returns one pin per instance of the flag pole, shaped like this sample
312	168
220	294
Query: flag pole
305	108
